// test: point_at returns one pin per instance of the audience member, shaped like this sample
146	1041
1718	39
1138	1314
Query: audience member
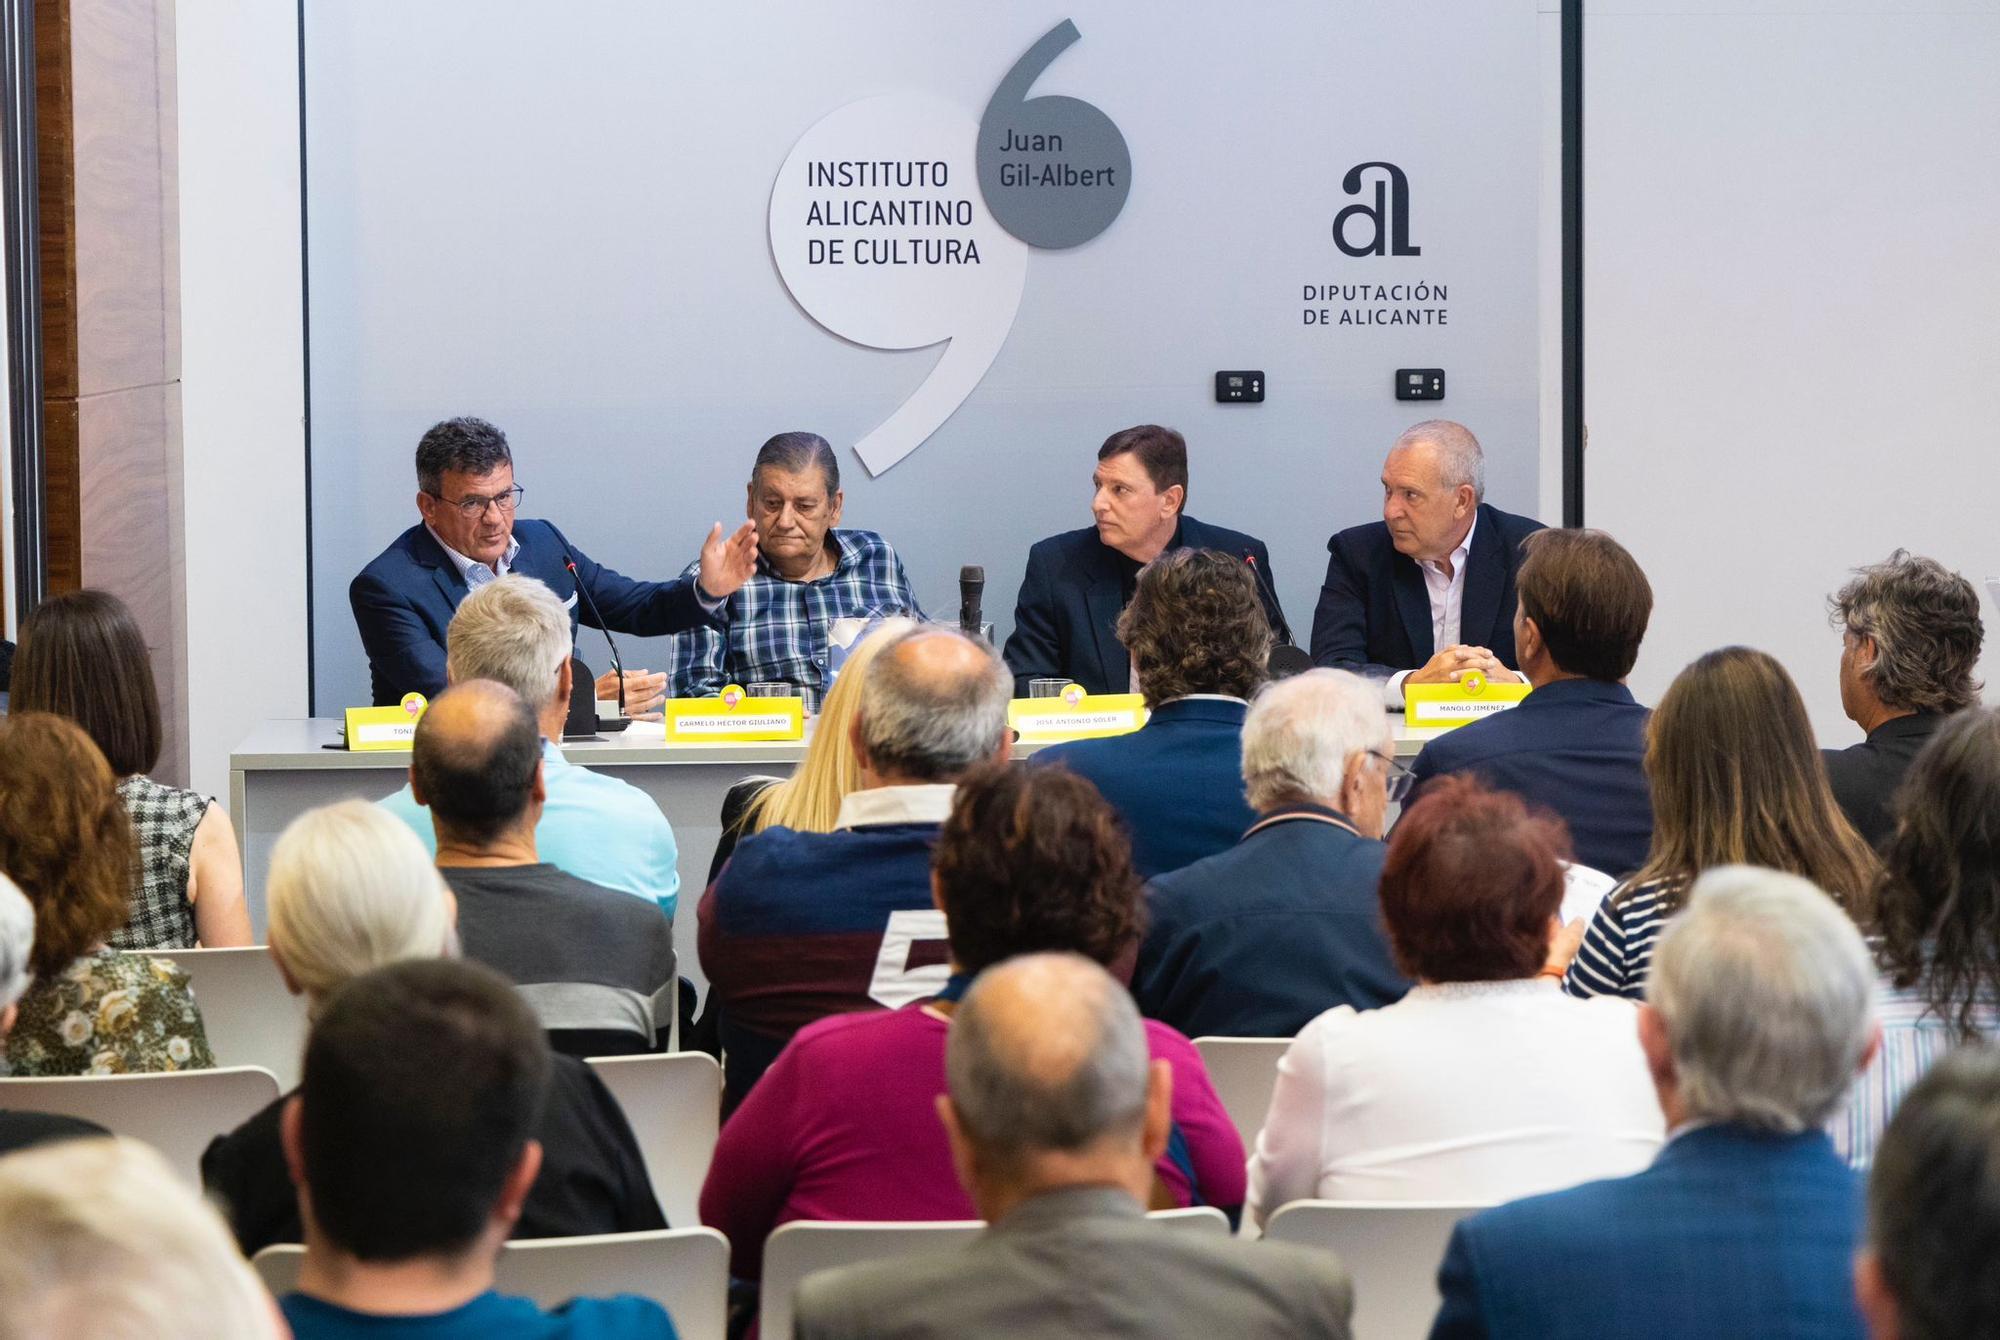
411	1141
844	1125
1927	1272
83	657
1056	1120
1426	593
1485	1082
1937	920
99	1240
67	843
1736	781
1576	745
810	574
19	1130
1065	621
350	890
1199	640
515	632
802	925
1759	1011
1910	635
1259	940
596	966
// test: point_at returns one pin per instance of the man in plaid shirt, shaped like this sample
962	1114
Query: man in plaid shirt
775	629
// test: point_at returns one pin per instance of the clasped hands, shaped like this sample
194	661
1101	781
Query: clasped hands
1455	662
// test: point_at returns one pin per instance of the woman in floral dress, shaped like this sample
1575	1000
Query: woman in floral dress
66	840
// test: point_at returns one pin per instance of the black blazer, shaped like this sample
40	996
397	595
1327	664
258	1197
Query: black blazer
1066	620
1374	614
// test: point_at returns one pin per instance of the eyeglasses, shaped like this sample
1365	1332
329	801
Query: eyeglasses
472	506
1397	776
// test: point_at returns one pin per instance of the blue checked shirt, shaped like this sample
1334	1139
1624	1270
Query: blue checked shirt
776	631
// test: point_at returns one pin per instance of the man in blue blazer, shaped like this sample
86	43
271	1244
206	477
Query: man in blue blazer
1577	744
1427	592
1759	1012
1196	631
404	599
1260	940
1065	622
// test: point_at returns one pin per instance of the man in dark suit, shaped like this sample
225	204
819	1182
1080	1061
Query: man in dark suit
1426	593
1065	623
1577	744
1759	1012
1055	1117
1910	637
1259	940
1197	635
404	599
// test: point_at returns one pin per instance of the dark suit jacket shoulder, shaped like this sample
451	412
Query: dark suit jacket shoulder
1374	614
1865	776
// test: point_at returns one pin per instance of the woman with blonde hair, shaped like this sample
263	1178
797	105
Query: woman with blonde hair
352	889
1736	780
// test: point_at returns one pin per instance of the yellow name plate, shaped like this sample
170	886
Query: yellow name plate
1456	704
1076	715
734	716
385	727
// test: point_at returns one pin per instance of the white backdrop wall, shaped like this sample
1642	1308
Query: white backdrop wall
1790	293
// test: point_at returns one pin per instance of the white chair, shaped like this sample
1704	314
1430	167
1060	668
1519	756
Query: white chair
1244	1072
249	1016
1391	1251
176	1113
684	1270
673	1104
802	1248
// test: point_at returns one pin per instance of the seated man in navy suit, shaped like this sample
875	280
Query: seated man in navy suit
1760	1010
1065	623
1198	638
1426	593
404	599
1577	744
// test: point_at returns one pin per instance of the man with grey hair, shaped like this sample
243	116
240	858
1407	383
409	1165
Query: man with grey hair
1426	594
802	925
1760	1010
1910	635
514	631
1055	1117
19	1130
1259	940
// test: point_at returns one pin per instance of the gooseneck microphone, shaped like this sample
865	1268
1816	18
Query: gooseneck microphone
971	585
617	668
1270	594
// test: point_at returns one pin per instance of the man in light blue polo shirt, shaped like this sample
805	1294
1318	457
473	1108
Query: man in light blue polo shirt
514	630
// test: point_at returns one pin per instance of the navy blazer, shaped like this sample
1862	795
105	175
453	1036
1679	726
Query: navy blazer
404	599
1260	940
1578	747
1374	614
1729	1233
1177	781
1066	620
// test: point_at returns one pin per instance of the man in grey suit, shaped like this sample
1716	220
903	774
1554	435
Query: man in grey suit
1056	1117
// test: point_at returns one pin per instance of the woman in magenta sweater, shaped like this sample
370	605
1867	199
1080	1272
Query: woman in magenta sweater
844	1125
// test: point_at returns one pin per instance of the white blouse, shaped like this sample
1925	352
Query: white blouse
1466	1092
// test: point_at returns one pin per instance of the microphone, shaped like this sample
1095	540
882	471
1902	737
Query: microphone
1286	661
617	667
1270	594
971	584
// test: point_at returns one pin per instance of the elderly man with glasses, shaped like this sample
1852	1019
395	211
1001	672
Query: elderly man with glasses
403	600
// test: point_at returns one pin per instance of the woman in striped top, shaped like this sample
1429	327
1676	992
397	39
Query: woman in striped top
1937	921
1736	780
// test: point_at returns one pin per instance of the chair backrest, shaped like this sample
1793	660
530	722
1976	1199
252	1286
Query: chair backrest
1244	1071
673	1104
684	1270
177	1114
1391	1252
249	1016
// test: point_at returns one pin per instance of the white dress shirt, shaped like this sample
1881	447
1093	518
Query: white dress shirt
1471	1093
477	574
918	803
1447	595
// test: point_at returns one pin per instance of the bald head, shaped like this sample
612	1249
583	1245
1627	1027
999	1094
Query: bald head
934	703
475	761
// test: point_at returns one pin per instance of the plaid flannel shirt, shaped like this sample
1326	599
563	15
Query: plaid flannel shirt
776	631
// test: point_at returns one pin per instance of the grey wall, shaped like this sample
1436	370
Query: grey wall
555	218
